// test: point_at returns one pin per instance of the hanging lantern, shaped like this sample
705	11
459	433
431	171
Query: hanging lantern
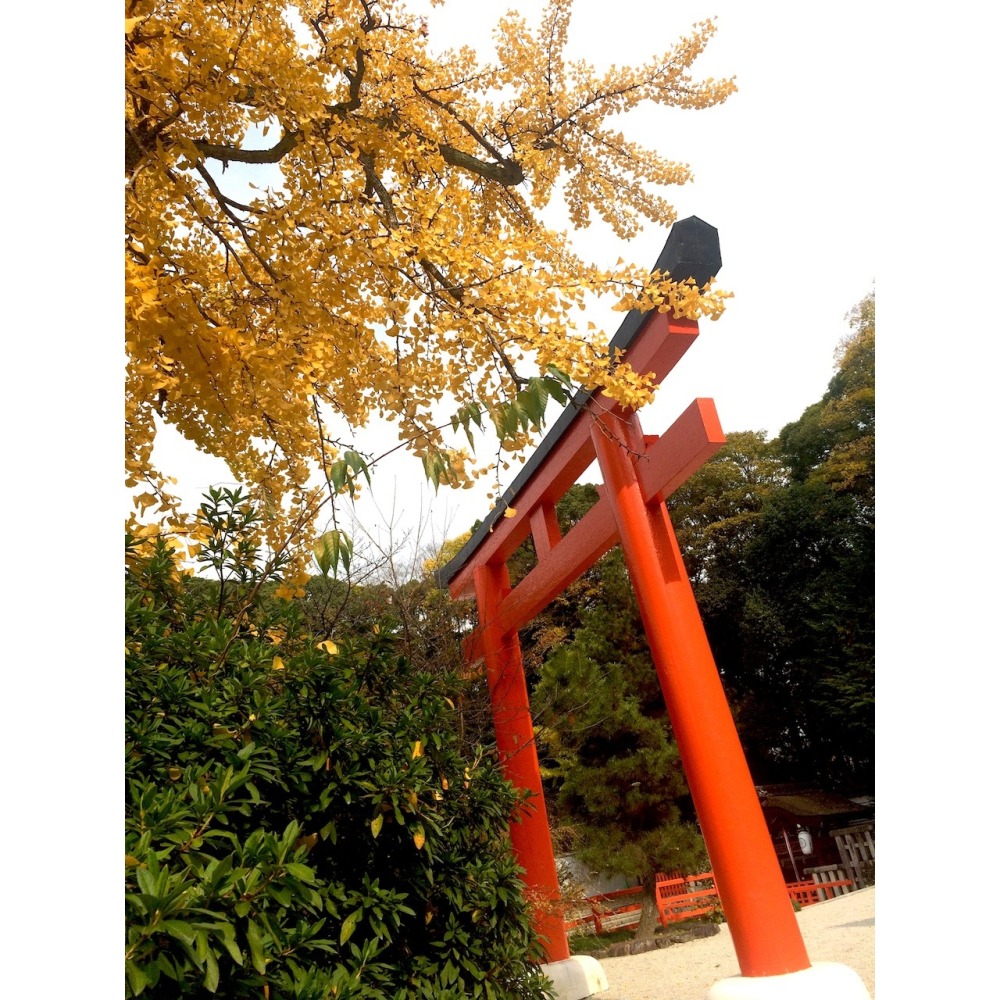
805	841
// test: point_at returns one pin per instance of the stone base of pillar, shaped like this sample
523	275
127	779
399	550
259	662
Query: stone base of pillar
822	981
576	977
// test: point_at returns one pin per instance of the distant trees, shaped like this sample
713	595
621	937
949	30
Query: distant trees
783	567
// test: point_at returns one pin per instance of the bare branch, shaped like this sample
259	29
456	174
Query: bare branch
222	200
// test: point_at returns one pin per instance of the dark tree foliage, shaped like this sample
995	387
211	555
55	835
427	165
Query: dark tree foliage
779	540
813	705
622	799
301	820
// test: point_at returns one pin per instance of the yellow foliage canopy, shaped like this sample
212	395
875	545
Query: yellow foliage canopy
386	256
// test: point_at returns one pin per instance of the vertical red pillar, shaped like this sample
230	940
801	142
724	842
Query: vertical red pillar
519	759
751	887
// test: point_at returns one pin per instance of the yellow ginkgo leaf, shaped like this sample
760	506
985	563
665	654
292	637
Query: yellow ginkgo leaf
418	750
277	663
328	646
418	838
510	512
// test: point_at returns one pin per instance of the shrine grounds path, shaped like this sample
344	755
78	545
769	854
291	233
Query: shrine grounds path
838	930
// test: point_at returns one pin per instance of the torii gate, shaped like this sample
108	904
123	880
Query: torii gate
639	472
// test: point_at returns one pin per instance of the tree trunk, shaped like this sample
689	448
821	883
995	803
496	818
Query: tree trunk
650	915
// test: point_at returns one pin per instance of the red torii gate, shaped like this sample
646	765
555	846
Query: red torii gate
639	472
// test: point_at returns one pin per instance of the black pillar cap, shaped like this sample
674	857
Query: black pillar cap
691	251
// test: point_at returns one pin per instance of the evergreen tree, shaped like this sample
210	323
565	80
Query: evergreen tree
301	817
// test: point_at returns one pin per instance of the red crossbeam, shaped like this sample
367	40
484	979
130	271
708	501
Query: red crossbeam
690	441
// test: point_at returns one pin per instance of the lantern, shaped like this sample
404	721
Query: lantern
805	841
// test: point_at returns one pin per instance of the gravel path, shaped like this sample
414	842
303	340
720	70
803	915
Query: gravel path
839	930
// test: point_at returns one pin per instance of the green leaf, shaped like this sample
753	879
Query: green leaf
347	929
200	946
179	929
560	376
532	401
211	973
511	419
432	468
300	871
557	391
256	943
326	549
357	464
338	473
377	824
167	967
331	548
346	551
467	415
136	977
225	934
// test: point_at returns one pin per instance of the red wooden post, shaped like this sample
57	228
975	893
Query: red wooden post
529	833
751	887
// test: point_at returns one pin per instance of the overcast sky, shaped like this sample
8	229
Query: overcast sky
782	169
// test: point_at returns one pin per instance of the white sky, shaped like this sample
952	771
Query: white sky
779	169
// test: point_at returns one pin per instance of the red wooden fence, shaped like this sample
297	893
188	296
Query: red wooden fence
682	898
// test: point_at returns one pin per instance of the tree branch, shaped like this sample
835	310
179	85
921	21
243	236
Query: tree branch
506	172
275	154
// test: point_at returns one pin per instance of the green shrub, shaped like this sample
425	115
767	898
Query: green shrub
300	823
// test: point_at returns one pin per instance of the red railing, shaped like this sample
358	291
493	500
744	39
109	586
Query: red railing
679	898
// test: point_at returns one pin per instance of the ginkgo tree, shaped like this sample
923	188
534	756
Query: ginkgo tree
328	222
